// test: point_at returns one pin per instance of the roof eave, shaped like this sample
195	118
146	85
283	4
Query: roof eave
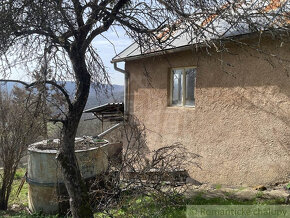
178	49
163	52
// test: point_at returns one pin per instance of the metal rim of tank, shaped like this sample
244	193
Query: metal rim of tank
33	148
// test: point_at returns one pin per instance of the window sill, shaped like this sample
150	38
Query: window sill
180	107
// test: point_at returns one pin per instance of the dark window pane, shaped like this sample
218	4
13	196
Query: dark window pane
177	87
190	83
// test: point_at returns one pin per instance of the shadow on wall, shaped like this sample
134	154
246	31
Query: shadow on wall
266	65
250	78
242	105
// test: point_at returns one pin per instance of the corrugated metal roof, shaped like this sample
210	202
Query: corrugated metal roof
109	107
112	112
263	14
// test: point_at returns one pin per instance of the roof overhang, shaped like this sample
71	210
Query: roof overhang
117	59
151	54
180	37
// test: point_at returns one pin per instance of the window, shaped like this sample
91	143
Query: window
182	86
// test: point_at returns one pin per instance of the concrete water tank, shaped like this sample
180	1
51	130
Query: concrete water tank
44	173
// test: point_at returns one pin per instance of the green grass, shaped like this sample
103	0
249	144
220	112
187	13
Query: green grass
259	194
20	200
20	173
23	214
146	206
151	205
174	206
218	186
242	188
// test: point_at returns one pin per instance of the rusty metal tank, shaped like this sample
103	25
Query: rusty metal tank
46	185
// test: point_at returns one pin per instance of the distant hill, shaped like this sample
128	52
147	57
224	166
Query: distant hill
115	93
107	94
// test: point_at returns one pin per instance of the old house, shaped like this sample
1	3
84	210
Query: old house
231	106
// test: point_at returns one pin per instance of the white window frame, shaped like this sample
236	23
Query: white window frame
183	86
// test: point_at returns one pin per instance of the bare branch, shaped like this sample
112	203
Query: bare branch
108	21
28	85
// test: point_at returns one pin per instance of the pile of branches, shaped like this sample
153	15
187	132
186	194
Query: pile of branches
140	172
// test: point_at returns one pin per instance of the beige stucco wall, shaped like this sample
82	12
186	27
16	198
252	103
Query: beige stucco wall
240	125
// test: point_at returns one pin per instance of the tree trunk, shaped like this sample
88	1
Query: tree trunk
5	190
75	184
3	202
4	196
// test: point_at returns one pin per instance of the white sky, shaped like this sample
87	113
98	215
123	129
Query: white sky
106	51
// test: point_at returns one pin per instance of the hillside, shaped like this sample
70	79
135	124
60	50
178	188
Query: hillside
107	94
114	93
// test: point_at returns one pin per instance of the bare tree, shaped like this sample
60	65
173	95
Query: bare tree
58	35
20	125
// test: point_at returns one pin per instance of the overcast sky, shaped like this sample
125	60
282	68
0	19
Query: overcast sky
106	51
